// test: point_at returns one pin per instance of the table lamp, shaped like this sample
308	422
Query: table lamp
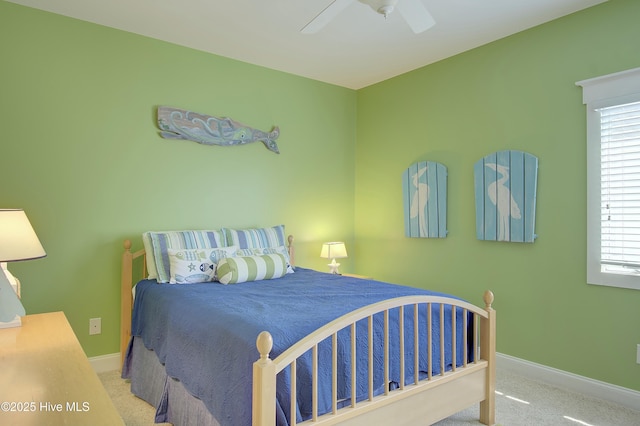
18	241
333	250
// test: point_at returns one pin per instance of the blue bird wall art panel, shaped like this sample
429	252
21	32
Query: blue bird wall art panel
424	186
505	191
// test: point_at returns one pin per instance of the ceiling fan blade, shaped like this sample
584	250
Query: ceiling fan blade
416	15
325	16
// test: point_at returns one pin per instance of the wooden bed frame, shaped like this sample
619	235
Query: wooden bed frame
422	402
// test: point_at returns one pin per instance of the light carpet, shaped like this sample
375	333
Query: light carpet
519	402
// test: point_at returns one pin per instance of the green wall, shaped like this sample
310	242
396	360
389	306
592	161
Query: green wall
517	93
81	154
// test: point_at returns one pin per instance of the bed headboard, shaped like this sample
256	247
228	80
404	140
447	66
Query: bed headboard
127	281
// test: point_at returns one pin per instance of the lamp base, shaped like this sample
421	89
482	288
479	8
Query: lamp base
16	322
10	307
333	267
15	283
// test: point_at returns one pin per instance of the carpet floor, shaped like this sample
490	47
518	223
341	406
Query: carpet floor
519	402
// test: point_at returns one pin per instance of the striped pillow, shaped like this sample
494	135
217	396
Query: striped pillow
272	239
161	241
234	270
269	250
255	237
148	249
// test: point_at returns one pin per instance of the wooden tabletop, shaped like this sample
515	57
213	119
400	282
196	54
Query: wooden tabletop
45	377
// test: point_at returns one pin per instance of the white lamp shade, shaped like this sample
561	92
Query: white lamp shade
18	240
333	250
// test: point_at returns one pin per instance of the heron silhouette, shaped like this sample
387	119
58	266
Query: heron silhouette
501	197
419	201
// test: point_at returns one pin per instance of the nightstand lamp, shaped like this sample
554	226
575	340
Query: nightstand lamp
18	241
333	251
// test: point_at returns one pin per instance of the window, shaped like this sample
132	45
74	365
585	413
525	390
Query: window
613	179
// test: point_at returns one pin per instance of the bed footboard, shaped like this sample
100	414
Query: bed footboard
417	400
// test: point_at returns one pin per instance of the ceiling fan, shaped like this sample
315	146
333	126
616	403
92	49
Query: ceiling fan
413	11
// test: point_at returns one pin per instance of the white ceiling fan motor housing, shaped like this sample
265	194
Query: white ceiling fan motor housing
383	7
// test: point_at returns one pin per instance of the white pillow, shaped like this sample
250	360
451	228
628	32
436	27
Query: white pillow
188	266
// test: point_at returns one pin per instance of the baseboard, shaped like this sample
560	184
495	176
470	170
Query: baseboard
617	394
104	363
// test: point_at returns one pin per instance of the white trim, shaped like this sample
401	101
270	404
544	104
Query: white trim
628	398
604	91
598	91
104	363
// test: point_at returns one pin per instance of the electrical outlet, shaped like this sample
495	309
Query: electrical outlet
95	325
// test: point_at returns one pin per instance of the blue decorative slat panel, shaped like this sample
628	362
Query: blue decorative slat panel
491	192
424	186
478	178
411	227
442	202
517	173
530	191
505	191
433	227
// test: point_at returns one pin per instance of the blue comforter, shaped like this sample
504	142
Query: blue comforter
205	335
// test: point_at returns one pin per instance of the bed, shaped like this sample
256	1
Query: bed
305	347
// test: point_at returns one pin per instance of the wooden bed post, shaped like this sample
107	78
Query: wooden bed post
488	353
126	283
264	384
292	251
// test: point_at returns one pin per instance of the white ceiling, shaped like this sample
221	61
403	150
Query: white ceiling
356	49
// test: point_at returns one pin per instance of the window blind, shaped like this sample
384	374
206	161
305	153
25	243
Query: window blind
620	186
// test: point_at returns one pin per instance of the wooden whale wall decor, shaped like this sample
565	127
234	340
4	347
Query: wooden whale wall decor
177	123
